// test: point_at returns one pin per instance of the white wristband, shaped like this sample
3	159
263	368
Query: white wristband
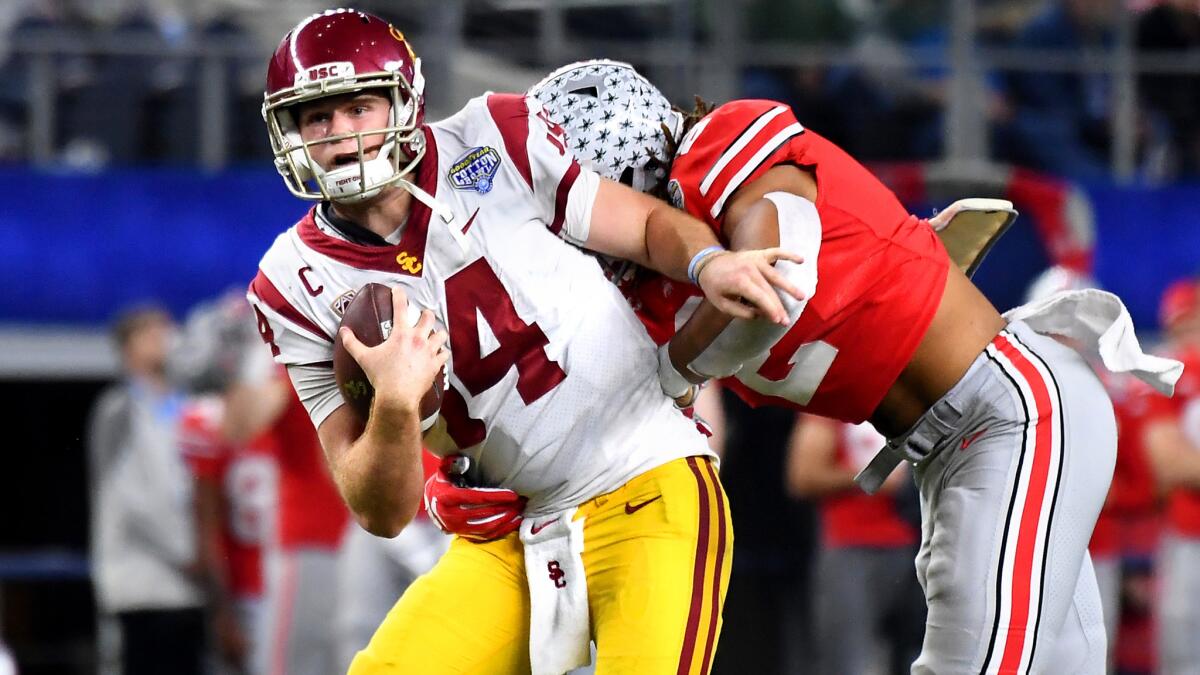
673	383
697	263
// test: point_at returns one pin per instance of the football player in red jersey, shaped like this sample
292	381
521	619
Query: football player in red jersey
551	387
235	483
991	412
1171	434
1131	503
865	593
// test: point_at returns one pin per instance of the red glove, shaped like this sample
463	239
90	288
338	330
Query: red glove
474	513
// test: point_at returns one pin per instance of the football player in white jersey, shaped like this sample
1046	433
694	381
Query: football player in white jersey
919	350
551	384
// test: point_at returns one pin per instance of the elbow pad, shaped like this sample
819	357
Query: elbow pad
742	340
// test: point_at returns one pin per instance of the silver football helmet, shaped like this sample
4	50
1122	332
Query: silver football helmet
614	120
209	352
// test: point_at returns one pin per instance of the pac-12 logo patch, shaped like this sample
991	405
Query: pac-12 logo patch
343	301
475	170
675	193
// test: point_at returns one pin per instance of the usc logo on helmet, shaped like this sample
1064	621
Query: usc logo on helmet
326	71
409	263
323	72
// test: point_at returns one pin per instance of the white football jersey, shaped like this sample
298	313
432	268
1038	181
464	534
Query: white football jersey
552	386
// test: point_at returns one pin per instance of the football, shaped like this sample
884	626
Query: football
369	316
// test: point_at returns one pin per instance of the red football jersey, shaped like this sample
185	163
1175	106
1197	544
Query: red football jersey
662	303
1133	492
854	518
311	512
1132	495
880	272
1183	504
246	478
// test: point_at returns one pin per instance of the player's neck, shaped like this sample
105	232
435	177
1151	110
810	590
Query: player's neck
381	215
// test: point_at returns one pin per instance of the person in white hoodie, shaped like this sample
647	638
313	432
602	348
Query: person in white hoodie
142	547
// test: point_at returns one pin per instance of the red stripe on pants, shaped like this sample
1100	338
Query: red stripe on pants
693	624
283	618
715	610
1031	509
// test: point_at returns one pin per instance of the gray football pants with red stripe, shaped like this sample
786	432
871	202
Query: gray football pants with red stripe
1179	606
1019	457
301	597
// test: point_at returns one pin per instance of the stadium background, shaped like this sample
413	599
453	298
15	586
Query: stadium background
135	167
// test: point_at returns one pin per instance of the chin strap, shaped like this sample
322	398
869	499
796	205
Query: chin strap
439	209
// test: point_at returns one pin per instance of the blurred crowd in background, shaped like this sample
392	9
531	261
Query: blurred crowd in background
878	84
219	544
217	541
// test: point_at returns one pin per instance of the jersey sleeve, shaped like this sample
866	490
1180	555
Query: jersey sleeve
201	445
734	145
292	337
537	146
1156	407
317	388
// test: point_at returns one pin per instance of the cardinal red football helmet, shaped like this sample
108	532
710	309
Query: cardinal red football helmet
342	51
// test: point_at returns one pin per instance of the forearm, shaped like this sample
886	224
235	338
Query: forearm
817	482
210	554
757	229
378	468
1189	471
705	324
1175	461
1180	471
629	225
673	238
254	407
379	474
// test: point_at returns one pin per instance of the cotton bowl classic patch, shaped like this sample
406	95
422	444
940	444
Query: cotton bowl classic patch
475	170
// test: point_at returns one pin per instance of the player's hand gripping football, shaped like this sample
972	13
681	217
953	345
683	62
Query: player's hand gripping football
742	283
475	513
402	367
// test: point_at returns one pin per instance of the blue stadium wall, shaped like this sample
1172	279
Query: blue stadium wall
74	248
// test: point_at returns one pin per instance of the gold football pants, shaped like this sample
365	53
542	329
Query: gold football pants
657	553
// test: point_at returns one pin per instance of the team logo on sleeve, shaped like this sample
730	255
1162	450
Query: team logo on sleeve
475	170
675	193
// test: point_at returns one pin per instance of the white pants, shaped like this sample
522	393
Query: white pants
1179	607
1108	578
301	594
1019	457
